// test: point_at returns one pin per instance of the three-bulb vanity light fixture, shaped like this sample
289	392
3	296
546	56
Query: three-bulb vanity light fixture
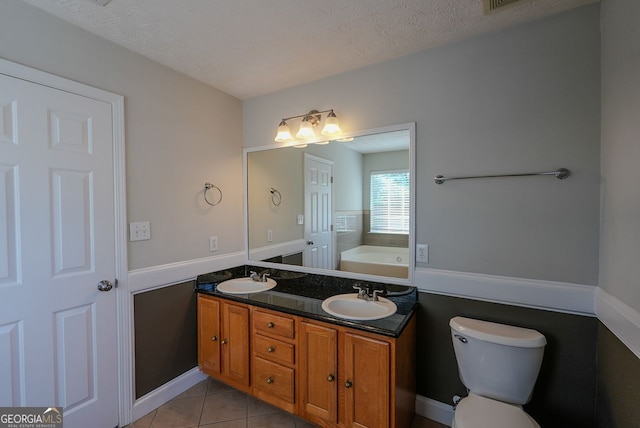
306	133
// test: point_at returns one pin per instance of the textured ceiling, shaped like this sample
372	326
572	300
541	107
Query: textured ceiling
254	47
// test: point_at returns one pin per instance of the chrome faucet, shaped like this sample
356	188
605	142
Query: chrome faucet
254	275
367	292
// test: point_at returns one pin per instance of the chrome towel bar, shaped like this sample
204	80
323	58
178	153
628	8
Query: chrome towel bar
560	174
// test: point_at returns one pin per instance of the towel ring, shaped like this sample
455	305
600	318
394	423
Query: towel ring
275	196
209	186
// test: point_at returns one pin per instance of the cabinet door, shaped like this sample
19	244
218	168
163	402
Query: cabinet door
319	371
235	344
367	381
209	335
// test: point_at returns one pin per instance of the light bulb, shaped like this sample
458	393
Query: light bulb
284	135
331	127
306	130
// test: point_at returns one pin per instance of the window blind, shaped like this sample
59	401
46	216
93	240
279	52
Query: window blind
390	204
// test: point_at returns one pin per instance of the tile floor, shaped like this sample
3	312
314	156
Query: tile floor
213	404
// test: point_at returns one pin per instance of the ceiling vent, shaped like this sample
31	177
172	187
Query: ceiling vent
493	5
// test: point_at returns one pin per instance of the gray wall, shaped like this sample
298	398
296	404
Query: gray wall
618	377
620	227
519	100
179	134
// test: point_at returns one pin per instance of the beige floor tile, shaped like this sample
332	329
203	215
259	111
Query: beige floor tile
216	387
179	413
272	420
197	390
257	407
145	421
238	423
225	406
301	423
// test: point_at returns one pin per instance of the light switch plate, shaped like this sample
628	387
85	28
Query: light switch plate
213	243
300	219
139	231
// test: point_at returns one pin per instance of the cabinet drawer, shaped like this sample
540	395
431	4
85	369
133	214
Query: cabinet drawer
273	325
273	349
274	379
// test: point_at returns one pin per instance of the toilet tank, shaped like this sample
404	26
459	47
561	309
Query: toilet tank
495	360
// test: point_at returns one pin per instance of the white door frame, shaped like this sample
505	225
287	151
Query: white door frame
123	296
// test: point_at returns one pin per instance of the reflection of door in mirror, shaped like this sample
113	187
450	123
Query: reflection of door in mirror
318	211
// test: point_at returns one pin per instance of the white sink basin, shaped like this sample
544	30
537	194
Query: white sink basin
349	307
245	286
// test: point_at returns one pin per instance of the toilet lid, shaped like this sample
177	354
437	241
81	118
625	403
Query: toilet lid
481	412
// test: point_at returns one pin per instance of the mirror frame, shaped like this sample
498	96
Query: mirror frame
411	127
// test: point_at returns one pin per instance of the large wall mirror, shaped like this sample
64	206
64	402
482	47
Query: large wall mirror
346	206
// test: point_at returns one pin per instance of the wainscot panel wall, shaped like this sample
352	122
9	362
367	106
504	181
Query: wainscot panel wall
618	383
564	395
166	339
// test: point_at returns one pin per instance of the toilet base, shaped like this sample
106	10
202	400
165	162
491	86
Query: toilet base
475	411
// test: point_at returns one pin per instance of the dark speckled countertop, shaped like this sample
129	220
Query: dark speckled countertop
302	294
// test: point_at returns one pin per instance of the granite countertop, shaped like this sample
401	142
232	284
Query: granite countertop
302	294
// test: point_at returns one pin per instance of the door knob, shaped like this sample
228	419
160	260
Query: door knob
270	379
224	342
348	384
271	349
331	378
214	338
105	285
309	242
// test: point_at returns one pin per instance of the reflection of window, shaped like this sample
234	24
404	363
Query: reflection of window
389	202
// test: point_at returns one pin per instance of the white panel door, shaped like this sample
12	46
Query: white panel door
318	230
58	334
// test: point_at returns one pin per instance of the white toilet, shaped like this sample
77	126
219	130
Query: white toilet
499	365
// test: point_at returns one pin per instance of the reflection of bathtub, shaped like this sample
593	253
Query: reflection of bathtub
375	260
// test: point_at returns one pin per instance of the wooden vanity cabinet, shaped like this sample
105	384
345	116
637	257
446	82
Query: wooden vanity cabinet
351	378
274	358
223	340
332	375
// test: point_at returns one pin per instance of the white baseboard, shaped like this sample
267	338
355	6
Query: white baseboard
531	293
166	392
155	276
621	319
434	410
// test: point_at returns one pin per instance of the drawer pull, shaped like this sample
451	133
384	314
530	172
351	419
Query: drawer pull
270	324
331	378
271	349
214	338
224	341
348	384
270	379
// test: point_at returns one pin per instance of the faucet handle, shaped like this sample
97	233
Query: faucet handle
378	292
264	276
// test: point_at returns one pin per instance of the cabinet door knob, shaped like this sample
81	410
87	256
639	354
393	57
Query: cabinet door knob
224	341
331	378
270	379
270	324
348	384
271	349
214	338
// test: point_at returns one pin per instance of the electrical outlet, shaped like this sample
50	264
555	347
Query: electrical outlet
422	253
269	235
139	231
213	243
